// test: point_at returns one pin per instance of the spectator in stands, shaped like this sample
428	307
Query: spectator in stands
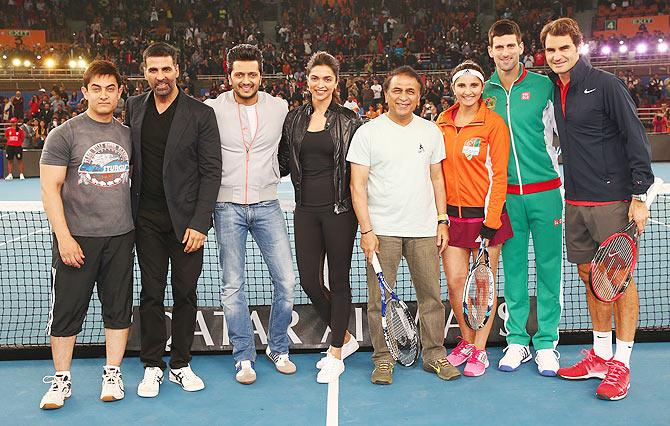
351	102
41	132
7	110
660	123
14	136
17	102
34	106
29	132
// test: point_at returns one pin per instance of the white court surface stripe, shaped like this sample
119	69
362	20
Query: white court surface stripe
332	406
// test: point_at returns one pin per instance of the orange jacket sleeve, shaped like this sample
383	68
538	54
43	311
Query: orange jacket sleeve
499	157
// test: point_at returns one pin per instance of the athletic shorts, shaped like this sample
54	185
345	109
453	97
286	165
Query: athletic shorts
586	227
463	232
109	263
12	152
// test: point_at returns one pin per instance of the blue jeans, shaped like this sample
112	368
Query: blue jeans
265	221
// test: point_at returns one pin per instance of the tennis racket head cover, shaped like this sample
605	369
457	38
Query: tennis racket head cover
479	291
400	331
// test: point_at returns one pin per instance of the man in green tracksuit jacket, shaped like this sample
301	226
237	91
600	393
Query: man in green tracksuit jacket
534	200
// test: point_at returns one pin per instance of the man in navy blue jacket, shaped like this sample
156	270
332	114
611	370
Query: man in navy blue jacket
607	166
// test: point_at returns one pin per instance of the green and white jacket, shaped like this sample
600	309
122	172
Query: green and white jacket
528	110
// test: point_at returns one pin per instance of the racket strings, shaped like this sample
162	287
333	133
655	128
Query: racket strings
403	336
479	295
612	266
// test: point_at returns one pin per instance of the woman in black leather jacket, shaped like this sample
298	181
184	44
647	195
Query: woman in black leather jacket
313	149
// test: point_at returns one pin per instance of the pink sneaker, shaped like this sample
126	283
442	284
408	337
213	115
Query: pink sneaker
460	353
477	363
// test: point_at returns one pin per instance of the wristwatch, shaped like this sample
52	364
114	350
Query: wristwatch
640	197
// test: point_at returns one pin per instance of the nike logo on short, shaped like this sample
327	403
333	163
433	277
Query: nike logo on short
587	91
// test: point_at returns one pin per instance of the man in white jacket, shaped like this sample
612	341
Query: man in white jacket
250	124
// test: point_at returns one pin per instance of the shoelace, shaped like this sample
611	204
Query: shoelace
112	377
479	356
187	374
385	366
614	373
56	382
443	362
282	359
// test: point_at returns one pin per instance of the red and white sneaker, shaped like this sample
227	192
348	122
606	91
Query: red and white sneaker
616	383
590	366
461	352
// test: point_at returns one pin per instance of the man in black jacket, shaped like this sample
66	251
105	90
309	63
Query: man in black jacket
607	165
176	177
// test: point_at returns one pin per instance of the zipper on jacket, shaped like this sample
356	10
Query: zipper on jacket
511	133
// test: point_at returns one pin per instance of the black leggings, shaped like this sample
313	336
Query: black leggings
317	234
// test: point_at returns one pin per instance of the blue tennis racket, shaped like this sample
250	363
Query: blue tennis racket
400	330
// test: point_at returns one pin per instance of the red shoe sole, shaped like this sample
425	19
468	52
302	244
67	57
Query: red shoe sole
600	376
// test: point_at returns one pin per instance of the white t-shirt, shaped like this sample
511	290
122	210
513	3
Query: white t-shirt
401	202
253	119
352	105
377	91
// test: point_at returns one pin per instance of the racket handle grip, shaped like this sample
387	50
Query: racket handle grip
375	263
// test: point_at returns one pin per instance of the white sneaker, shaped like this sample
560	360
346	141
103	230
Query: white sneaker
112	385
9	177
60	390
150	384
515	355
547	362
187	379
330	370
347	349
22	177
281	361
245	372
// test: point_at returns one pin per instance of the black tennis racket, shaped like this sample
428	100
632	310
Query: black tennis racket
400	330
479	291
614	262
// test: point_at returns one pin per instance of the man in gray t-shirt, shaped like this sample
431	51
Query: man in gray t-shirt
84	175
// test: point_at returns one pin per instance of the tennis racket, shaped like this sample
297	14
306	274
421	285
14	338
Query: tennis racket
479	291
400	330
614	262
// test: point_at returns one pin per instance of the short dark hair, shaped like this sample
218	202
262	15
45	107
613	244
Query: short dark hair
562	27
244	52
101	67
403	70
504	27
160	50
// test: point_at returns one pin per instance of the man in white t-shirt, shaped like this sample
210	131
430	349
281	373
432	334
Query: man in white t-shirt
377	91
398	194
351	103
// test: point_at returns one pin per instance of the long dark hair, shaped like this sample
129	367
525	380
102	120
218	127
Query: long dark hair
325	58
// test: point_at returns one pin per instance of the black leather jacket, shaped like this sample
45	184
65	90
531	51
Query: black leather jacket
342	124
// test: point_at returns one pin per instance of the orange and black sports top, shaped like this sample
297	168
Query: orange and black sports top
475	168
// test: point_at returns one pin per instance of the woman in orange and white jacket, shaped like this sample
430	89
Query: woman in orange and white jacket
475	174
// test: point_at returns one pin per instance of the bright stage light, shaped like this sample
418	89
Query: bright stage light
623	48
16	62
50	63
584	49
72	63
641	48
662	47
606	50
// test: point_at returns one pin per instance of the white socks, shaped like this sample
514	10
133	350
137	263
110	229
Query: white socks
602	344
623	351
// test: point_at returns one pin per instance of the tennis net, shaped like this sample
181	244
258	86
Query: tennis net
25	278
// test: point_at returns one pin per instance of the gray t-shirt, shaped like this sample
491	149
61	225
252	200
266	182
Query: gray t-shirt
96	192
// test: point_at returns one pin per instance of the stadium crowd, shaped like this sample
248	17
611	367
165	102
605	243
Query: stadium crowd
367	39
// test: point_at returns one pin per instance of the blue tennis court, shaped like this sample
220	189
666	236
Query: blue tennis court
415	397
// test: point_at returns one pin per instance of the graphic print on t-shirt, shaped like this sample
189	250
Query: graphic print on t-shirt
105	164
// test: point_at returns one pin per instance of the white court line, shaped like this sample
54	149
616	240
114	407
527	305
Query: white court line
39	231
332	406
